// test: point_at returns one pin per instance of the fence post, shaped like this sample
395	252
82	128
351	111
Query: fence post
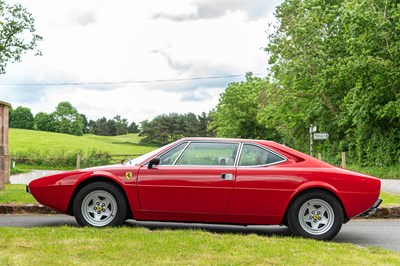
343	165
78	160
319	156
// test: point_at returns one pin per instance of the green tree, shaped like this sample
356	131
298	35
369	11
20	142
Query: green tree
21	117
191	125
67	119
101	127
92	127
147	130
204	119
133	128
85	124
337	64
305	49
111	127
167	128
237	110
17	34
121	125
44	122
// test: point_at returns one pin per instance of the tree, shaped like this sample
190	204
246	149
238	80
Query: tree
17	34
21	117
167	128
133	128
237	110
44	122
191	125
101	127
67	119
92	127
121	125
337	64
147	130
85	124
204	120
111	127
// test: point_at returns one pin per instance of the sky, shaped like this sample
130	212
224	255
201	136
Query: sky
123	45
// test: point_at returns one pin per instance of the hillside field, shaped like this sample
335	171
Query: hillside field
23	141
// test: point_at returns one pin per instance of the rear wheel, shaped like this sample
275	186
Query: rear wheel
315	214
100	204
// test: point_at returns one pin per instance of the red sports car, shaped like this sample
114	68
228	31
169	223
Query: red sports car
211	180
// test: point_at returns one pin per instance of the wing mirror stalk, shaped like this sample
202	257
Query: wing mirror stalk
153	163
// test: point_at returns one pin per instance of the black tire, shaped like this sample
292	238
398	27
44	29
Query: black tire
315	214
100	204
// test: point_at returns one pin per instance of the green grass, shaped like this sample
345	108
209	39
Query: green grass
21	140
23	168
141	246
390	199
48	150
18	170
15	194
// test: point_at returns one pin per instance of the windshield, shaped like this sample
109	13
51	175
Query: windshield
144	157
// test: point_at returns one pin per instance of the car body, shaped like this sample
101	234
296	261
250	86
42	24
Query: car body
215	180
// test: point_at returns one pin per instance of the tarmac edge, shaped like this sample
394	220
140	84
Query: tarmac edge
391	212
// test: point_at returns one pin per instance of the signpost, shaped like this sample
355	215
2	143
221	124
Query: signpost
313	129
314	135
321	136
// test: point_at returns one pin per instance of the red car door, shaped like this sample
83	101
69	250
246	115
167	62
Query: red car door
200	180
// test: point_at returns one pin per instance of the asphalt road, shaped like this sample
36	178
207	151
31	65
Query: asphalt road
380	233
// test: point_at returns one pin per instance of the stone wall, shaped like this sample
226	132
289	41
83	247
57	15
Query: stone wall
4	156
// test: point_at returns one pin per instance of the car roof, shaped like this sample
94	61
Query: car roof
280	148
226	140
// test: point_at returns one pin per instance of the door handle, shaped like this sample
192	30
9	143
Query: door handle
227	176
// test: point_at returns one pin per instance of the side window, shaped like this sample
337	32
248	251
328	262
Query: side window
253	155
209	153
170	156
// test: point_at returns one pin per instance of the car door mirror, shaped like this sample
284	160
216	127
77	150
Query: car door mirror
153	163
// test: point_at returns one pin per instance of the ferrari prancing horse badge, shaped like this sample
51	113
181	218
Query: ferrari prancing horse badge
128	175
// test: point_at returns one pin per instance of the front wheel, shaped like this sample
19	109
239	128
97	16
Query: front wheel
100	204
315	214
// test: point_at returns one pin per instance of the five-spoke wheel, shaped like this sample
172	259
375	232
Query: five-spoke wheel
316	214
100	204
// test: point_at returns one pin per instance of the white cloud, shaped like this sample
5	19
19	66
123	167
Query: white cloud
106	41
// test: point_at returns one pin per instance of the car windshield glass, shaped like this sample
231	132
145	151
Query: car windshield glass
144	157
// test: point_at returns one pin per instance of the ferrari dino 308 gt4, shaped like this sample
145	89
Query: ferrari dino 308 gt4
212	180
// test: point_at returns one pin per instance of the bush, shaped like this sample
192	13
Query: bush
60	158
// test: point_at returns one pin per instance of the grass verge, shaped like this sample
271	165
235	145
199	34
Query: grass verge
15	194
18	170
141	246
27	168
390	199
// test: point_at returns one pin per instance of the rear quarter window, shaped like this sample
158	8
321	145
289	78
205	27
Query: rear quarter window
253	155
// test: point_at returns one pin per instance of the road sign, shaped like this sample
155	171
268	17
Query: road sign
321	136
313	128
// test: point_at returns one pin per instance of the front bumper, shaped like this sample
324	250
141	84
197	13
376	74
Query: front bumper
28	190
373	209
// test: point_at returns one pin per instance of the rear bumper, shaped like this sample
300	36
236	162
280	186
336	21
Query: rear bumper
373	209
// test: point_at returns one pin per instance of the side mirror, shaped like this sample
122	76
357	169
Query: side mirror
153	163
